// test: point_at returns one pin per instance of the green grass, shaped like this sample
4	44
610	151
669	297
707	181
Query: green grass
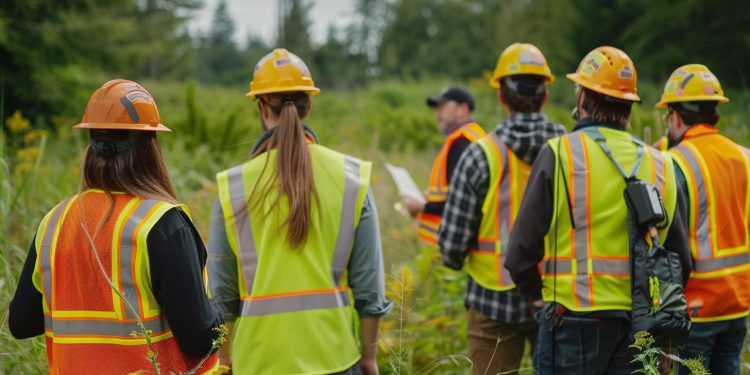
215	128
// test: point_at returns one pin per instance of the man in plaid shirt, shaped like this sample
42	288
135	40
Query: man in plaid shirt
483	200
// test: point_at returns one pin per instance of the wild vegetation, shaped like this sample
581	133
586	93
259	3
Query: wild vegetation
215	127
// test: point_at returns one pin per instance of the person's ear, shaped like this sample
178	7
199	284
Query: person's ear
546	96
501	97
263	107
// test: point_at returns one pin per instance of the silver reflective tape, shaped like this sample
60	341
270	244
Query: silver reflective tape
95	327
46	249
244	235
715	264
487	246
659	170
503	208
345	239
611	266
127	240
702	229
582	290
562	267
580	215
295	303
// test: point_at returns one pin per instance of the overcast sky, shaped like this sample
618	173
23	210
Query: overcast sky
259	17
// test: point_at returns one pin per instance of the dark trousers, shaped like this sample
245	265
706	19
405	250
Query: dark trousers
720	344
582	345
494	346
354	370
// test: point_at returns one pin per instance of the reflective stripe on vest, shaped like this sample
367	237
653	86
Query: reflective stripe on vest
303	300
717	173
438	184
105	328
582	263
45	263
508	178
702	223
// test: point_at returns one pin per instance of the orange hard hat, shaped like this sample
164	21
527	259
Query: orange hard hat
122	105
609	71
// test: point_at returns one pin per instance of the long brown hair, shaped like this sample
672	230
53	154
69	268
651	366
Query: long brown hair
139	171
293	164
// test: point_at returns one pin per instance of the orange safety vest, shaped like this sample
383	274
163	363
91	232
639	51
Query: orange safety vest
89	328
437	186
717	172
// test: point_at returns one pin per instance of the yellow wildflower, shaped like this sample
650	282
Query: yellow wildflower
27	154
33	135
17	123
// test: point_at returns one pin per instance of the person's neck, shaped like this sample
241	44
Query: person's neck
458	124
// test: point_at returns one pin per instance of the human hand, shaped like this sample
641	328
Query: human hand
368	367
413	206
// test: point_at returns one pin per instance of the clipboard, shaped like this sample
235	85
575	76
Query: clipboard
405	184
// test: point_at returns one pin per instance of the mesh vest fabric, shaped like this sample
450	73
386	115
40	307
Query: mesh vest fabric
89	328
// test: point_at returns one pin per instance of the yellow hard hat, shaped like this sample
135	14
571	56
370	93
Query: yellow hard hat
281	71
521	58
689	83
609	71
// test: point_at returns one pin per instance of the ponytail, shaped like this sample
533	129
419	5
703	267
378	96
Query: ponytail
293	164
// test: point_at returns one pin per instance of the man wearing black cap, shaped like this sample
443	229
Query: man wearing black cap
482	205
454	112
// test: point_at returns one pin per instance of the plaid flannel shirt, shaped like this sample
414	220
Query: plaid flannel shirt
525	134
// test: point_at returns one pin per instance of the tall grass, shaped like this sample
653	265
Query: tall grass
215	128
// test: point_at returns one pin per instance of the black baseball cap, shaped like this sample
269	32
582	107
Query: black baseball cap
455	94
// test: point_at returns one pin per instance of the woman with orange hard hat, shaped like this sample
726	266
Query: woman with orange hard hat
113	278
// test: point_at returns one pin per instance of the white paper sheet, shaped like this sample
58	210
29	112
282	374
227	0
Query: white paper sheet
405	184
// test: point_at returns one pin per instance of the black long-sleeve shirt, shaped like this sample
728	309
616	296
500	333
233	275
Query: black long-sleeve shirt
454	154
177	258
533	221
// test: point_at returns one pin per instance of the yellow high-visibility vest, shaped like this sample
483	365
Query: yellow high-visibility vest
296	315
508	177
586	266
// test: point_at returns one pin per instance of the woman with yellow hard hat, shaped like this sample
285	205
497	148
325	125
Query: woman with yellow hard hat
113	278
295	255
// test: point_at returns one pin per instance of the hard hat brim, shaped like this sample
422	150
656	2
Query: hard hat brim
703	98
311	90
120	126
575	77
495	81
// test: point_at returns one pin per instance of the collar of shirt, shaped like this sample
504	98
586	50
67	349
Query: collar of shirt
457	126
697	131
527	133
588	122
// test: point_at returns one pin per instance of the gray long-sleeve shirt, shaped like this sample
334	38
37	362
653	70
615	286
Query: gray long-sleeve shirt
365	269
